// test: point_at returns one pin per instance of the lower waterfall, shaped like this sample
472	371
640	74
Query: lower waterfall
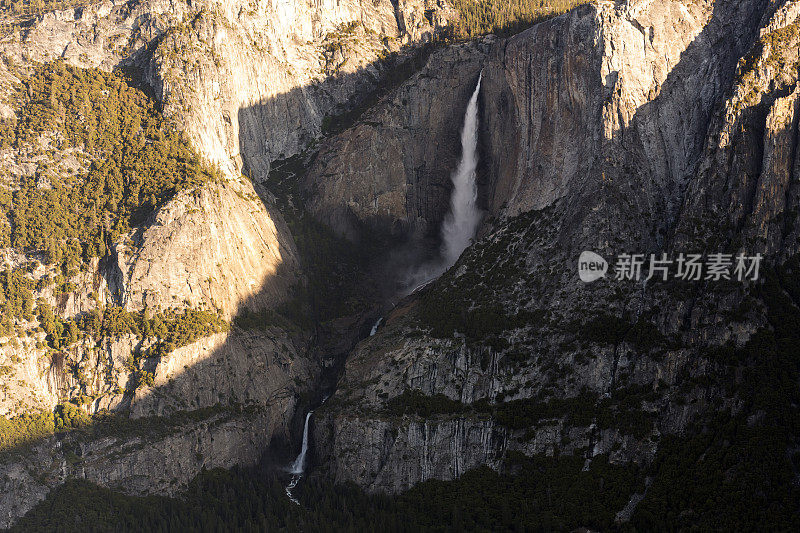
298	466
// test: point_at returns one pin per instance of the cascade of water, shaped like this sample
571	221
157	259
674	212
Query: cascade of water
299	464
463	217
458	229
292	484
462	220
375	327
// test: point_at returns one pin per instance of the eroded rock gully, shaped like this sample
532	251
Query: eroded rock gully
248	83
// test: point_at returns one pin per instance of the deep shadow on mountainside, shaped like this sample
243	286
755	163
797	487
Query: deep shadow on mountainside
235	397
632	407
508	352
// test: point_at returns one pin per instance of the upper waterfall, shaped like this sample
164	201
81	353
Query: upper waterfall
462	220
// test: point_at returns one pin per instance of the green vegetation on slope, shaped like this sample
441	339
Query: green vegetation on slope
170	329
732	473
467	303
104	158
31	427
622	410
505	17
120	160
16	299
740	471
19	433
36	7
164	331
736	468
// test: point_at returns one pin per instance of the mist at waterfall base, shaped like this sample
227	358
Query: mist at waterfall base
461	221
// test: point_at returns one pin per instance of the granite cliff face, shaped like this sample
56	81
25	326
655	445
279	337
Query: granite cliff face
389	173
218	247
247	83
627	78
644	127
150	456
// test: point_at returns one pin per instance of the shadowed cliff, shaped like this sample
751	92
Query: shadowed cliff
590	155
228	398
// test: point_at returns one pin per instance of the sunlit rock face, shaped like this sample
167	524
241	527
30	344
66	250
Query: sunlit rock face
212	248
248	83
617	125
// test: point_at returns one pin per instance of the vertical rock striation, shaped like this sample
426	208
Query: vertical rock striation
629	127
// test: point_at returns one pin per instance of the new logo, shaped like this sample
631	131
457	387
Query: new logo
591	267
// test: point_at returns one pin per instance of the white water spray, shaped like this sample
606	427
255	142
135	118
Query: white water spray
462	221
292	484
298	467
374	329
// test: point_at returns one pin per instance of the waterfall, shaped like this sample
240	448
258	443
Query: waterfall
299	464
298	467
462	220
463	217
374	329
292	484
